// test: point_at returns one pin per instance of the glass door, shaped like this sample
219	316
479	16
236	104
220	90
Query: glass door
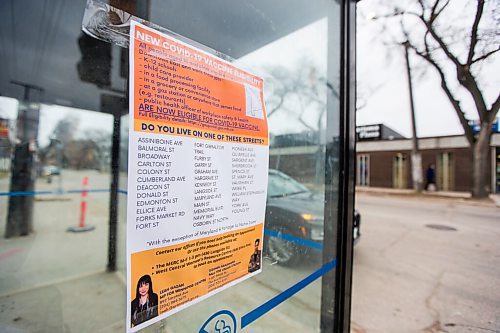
399	171
445	172
64	151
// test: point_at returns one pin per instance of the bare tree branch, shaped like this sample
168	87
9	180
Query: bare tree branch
278	106
395	14
422	7
433	9
442	8
464	76
454	102
434	15
332	89
494	109
303	110
473	37
468	81
484	56
440	41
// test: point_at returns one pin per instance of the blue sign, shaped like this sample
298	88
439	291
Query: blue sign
476	126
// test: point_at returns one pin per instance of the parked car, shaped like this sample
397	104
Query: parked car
50	170
294	219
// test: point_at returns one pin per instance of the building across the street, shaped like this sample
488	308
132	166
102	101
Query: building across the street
386	162
5	145
383	159
376	132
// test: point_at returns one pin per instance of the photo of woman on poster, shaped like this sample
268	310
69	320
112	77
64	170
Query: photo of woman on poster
145	304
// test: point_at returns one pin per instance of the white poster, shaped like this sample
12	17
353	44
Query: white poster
197	176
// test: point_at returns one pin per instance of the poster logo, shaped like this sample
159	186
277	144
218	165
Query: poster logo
253	102
223	321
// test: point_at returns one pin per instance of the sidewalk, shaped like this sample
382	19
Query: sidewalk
93	303
493	200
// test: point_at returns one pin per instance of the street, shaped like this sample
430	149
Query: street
412	278
51	253
407	276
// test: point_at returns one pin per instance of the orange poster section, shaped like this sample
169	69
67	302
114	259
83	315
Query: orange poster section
180	86
184	272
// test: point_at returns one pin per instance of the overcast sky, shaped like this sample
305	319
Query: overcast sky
51	114
306	44
383	82
381	77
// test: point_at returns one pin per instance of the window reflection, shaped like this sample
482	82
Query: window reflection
82	127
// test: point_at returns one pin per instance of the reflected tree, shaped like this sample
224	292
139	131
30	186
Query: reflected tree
88	151
65	129
301	94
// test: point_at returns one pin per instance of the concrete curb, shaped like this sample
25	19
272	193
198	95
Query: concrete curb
463	197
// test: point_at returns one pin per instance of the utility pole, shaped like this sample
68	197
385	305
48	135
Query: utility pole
416	158
20	207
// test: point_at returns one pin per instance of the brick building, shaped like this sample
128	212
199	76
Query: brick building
383	159
387	163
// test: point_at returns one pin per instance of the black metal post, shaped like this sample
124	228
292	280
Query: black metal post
113	199
339	175
20	207
343	273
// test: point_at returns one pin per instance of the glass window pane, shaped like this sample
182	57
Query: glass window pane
63	161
